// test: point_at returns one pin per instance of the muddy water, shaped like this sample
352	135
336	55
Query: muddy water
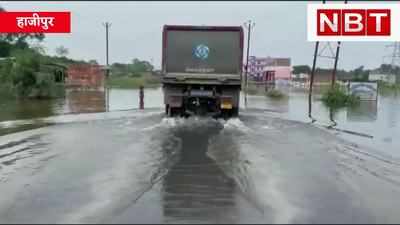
135	166
378	122
138	167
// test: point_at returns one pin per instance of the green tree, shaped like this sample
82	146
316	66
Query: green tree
23	71
10	41
301	69
93	62
140	66
62	51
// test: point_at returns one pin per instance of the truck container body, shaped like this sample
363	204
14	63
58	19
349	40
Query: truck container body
202	70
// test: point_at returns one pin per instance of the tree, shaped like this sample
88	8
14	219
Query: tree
39	49
10	41
62	51
360	74
140	66
23	72
93	62
301	69
388	68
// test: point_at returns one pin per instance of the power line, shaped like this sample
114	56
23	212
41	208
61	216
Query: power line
394	57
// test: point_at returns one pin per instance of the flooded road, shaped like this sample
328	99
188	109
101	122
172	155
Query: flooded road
132	166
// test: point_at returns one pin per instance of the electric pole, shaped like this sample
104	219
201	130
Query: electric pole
107	25
248	25
336	60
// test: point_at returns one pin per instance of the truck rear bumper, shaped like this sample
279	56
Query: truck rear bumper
203	79
201	99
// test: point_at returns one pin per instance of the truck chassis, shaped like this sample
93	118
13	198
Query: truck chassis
203	100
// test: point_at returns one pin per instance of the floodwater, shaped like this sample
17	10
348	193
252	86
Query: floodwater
270	165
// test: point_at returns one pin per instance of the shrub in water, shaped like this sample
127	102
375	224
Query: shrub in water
337	98
274	93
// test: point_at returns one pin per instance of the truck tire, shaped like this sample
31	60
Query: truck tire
166	109
170	112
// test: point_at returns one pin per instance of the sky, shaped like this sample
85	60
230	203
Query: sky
136	30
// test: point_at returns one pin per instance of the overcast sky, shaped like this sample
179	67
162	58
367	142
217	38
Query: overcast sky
280	29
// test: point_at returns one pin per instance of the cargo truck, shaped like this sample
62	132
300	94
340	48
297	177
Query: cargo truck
202	70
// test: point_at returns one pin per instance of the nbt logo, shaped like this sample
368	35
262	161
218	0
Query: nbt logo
353	22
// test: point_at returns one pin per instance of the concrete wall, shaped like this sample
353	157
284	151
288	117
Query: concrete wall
85	75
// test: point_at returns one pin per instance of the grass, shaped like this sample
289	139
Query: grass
337	98
6	91
145	80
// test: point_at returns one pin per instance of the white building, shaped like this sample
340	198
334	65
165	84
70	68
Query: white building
376	76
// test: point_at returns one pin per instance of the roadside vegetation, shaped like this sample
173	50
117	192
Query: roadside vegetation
26	71
385	88
147	80
337	97
276	94
23	72
133	75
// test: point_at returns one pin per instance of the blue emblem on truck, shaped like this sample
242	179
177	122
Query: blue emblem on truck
201	51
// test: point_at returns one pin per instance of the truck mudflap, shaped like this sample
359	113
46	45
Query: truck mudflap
216	101
175	101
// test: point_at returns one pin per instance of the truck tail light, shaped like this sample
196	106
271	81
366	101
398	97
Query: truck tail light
226	103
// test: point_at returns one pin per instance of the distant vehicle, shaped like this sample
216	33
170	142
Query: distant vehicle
202	70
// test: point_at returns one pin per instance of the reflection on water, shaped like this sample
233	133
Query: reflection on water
195	188
379	120
366	111
86	101
375	119
11	109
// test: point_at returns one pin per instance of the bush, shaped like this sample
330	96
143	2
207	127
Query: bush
337	98
275	93
23	72
5	71
27	79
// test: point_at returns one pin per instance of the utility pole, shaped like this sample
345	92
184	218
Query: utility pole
322	53
249	25
335	65
336	60
312	80
107	25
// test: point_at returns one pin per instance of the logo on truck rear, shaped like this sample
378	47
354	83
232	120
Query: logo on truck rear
201	51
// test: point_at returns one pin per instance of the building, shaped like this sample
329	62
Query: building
58	71
377	75
85	76
260	66
256	67
322	77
